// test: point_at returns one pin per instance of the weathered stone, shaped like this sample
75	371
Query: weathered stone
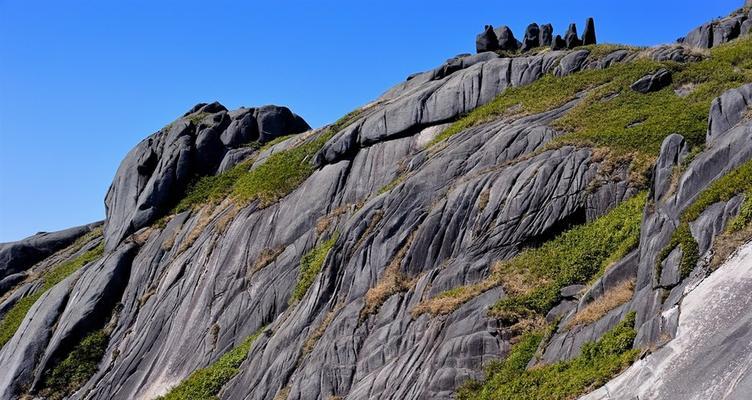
653	82
532	37
546	35
487	40
571	38
588	36
572	63
21	255
558	43
507	41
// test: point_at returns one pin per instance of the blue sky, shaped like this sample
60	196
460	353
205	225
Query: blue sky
81	82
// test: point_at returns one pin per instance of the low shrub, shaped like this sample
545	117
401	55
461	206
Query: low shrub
74	370
599	361
205	383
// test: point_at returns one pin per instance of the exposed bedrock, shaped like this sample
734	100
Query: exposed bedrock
19	256
158	170
710	356
715	33
78	305
657	298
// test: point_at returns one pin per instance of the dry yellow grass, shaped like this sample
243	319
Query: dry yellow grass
266	257
311	341
610	300
393	281
483	198
324	222
204	218
283	393
727	244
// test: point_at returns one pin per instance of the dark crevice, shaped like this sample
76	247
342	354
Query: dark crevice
576	218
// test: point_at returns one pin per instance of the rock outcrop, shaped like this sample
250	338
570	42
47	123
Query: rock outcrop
159	169
16	257
502	38
390	214
718	32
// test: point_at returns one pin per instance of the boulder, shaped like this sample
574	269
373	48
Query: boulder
571	38
507	41
546	35
652	82
588	37
487	40
728	110
558	43
532	37
572	63
726	30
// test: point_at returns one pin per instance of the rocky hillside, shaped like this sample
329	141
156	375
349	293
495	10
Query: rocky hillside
547	219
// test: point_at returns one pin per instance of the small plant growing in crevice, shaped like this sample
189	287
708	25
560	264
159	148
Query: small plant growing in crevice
598	362
205	383
310	266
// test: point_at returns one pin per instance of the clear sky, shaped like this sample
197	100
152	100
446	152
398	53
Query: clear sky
81	82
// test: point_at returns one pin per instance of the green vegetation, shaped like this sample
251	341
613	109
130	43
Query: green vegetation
279	175
310	266
532	280
205	383
16	314
574	257
599	361
738	181
393	184
612	115
73	371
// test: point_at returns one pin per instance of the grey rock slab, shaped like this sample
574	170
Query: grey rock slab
728	110
21	255
19	355
710	356
652	82
571	63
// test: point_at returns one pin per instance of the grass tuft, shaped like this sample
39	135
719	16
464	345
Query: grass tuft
205	383
310	266
74	370
598	362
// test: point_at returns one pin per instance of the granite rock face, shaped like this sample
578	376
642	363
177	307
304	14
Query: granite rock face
409	219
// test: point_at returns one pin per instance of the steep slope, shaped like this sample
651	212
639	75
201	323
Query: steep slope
538	205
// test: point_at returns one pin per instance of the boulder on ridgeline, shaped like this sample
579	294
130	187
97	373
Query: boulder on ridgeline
532	37
588	36
487	40
558	43
653	82
507	41
546	35
571	38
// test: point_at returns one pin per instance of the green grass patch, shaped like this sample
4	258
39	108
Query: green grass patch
310	266
16	314
598	362
280	174
74	370
533	279
205	383
614	116
738	181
